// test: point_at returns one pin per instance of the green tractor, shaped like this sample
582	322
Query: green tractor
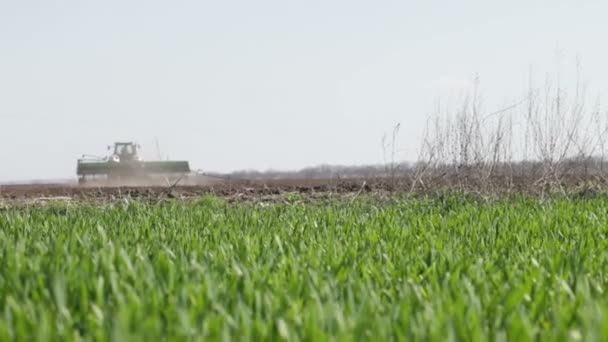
125	164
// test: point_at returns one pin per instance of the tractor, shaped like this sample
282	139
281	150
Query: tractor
125	164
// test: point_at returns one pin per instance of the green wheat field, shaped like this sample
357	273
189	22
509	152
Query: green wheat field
436	268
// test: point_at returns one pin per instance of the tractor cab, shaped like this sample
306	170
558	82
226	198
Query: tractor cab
125	152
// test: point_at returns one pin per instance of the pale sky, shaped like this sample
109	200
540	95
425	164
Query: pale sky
232	85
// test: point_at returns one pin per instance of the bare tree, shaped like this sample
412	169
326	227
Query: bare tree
390	163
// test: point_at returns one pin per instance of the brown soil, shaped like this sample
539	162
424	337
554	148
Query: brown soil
233	190
225	188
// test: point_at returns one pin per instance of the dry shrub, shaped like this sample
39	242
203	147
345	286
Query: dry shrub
560	142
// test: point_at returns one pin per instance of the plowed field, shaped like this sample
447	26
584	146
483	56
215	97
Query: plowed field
228	189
